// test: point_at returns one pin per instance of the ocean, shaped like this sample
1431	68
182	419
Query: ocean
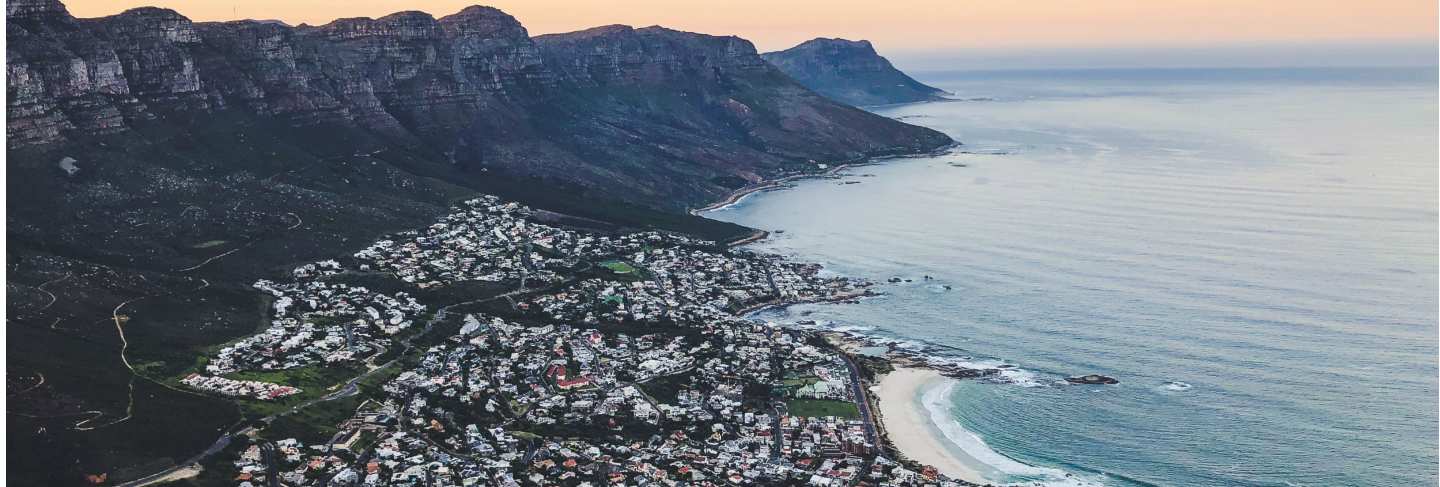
1251	252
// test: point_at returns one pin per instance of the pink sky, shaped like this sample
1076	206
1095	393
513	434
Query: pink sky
901	24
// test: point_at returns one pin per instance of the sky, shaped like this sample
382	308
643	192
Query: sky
916	30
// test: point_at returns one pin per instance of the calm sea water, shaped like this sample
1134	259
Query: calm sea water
1252	253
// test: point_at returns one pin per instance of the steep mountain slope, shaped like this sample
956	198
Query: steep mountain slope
158	166
680	118
850	72
709	108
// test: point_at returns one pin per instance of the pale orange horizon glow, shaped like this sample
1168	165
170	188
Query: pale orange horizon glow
900	25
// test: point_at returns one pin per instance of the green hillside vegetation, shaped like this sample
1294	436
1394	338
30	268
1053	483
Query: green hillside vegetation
822	407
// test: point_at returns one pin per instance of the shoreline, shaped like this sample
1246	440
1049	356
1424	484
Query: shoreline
772	184
898	414
907	426
782	182
839	298
905	429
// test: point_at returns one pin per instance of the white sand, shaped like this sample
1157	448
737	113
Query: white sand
907	423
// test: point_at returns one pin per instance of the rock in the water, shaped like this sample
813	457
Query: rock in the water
1092	379
972	373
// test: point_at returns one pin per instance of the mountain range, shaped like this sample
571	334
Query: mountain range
158	166
213	131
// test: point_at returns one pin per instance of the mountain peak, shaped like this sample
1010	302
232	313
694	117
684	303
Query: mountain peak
483	21
821	42
851	72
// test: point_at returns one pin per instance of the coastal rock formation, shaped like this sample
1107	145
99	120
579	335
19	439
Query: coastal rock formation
963	373
1092	379
850	72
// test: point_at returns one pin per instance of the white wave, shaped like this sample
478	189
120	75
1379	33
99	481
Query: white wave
808	326
910	345
994	465
1176	386
733	204
1022	378
1009	373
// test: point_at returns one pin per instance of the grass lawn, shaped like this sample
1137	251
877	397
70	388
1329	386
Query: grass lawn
318	422
314	424
314	381
801	381
666	389
815	408
367	440
619	267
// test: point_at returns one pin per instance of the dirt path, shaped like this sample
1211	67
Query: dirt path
120	320
42	289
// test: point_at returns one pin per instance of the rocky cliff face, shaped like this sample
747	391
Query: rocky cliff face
406	75
619	55
850	72
675	117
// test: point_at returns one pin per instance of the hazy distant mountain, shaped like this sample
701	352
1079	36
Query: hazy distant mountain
850	72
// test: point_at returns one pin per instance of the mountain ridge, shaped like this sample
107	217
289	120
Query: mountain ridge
387	75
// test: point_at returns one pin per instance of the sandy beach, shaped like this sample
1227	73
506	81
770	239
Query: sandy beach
907	423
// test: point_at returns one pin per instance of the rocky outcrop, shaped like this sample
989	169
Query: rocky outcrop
61	77
850	72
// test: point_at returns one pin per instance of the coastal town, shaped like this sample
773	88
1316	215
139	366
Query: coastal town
616	359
